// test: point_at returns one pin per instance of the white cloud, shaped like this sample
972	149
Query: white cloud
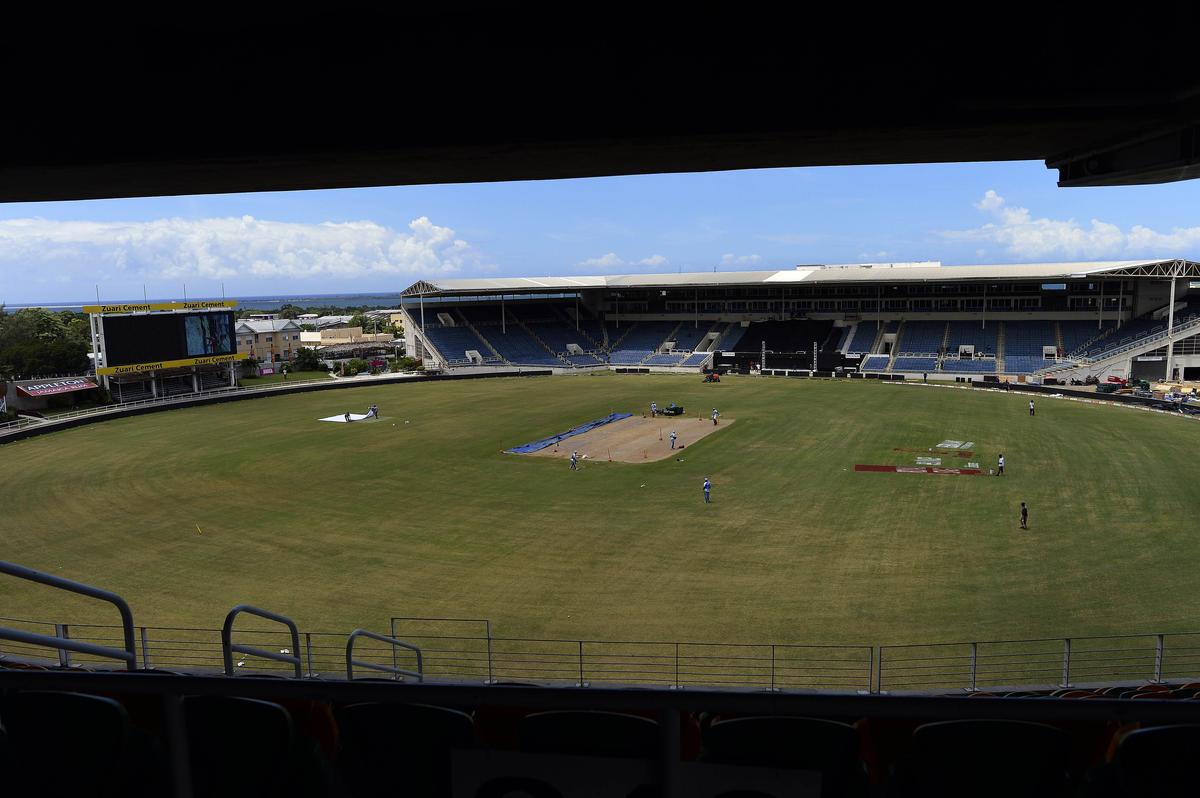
729	259
606	261
229	248
611	261
1021	235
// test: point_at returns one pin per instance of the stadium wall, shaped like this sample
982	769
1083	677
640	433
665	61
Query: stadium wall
235	396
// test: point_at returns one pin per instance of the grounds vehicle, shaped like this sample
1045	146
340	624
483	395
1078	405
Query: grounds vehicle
712	376
673	410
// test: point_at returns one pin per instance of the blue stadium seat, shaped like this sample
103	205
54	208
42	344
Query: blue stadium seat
983	338
519	348
729	340
453	342
921	337
639	341
979	365
875	363
689	335
557	334
864	337
922	364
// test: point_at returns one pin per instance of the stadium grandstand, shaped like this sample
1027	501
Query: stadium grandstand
1057	321
263	707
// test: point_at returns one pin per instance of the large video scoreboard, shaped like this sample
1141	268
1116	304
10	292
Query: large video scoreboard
138	338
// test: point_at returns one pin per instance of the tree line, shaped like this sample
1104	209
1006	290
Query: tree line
35	342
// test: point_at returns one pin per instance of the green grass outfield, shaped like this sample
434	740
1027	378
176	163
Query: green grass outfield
343	526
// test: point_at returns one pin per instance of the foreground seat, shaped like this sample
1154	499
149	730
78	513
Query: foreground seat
238	746
798	743
986	758
1159	761
63	744
590	733
400	748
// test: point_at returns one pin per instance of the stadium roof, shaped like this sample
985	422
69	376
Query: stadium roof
267	325
814	274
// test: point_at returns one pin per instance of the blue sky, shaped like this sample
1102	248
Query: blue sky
383	239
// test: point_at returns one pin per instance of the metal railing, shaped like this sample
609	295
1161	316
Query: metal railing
290	656
351	663
1184	329
61	639
976	666
1057	662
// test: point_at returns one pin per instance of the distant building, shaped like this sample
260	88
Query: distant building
332	322
386	315
273	340
334	336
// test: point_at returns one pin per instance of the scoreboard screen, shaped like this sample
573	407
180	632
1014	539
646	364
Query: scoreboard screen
156	337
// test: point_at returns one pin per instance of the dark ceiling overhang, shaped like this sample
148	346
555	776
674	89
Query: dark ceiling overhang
203	101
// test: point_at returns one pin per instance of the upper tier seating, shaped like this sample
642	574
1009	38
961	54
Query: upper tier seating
1138	329
593	329
519	348
843	334
640	340
557	334
689	335
732	337
480	315
921	337
1076	333
983	338
453	342
864	337
1026	338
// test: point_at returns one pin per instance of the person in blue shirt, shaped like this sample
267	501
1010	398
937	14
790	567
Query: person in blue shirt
707	491
574	461
653	409
672	439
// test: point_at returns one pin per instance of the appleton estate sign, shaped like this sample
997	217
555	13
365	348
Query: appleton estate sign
51	387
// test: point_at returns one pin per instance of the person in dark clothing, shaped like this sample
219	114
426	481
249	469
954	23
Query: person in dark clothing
1024	516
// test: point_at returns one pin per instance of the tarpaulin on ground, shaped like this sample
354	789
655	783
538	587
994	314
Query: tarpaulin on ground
537	446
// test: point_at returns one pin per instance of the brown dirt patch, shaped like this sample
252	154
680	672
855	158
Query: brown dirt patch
636	440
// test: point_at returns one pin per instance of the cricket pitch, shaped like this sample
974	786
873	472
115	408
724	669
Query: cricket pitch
636	440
